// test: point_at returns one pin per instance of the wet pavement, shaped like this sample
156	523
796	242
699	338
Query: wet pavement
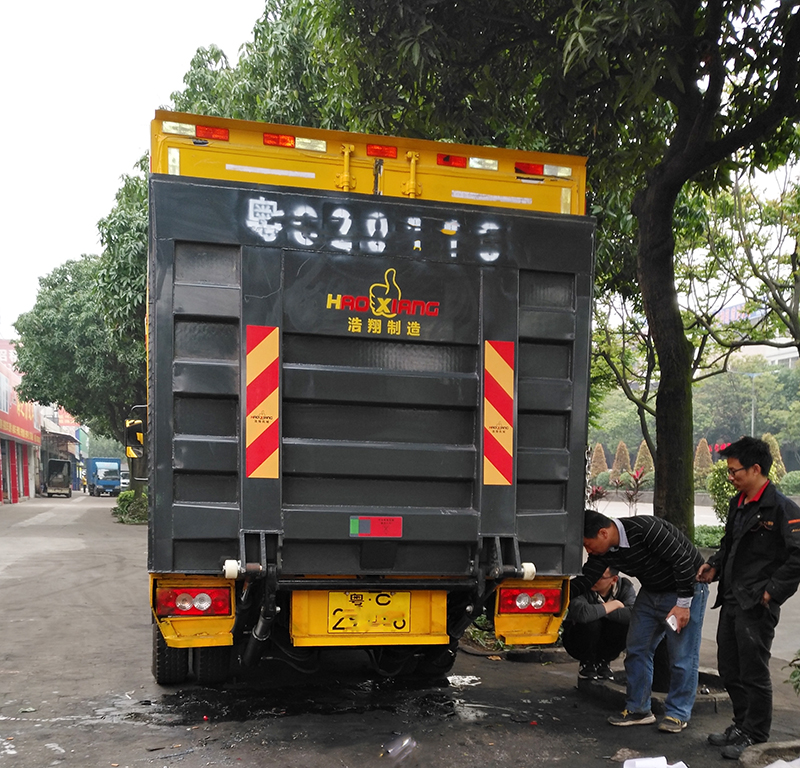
76	689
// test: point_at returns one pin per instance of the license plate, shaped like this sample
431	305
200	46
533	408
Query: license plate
369	612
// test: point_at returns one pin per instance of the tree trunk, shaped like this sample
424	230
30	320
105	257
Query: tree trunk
674	482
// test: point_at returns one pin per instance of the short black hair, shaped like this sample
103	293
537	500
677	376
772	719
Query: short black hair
593	521
750	451
613	571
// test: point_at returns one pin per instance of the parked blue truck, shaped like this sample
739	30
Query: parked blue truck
103	476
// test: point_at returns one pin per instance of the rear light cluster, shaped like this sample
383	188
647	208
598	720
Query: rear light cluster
529	600
196	131
193	601
294	142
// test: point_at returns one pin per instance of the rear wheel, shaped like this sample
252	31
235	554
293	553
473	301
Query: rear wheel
212	665
170	665
437	660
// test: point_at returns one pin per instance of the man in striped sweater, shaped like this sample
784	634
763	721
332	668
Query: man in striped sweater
670	602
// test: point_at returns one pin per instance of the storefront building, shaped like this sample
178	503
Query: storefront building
20	435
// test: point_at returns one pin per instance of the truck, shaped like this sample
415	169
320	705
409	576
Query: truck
103	476
59	478
368	386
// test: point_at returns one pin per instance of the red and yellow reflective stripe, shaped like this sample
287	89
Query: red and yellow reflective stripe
262	434
498	413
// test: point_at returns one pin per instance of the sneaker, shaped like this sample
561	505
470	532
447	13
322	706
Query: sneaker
603	671
733	750
632	718
672	725
587	671
728	736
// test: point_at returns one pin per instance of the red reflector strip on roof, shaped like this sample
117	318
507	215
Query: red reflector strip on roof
381	150
453	161
207	132
531	169
278	140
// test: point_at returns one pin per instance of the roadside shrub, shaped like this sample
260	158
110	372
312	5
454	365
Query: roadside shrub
794	676
598	463
622	461
703	464
720	489
708	536
603	479
778	467
644	460
130	510
790	484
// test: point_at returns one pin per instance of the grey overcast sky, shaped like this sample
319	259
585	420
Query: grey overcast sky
82	82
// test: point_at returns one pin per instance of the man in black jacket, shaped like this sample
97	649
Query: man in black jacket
596	625
670	602
758	567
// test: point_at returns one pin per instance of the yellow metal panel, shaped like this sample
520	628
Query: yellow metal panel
310	622
532	628
413	173
196	631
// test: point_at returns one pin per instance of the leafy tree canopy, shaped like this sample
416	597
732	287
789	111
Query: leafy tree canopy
69	357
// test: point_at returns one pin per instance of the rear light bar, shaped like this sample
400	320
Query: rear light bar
294	142
196	131
529	600
193	601
381	150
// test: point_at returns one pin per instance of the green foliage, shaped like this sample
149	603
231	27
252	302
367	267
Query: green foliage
720	489
100	446
790	483
708	536
131	510
598	463
120	282
703	464
622	461
778	467
68	355
603	480
794	675
644	460
481	633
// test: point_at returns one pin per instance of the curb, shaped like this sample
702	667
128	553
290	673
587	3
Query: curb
613	693
760	755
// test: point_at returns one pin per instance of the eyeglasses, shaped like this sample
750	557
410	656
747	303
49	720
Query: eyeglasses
732	472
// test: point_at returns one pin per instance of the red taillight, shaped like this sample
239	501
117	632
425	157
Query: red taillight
381	150
452	161
278	140
207	132
529	169
529	600
193	601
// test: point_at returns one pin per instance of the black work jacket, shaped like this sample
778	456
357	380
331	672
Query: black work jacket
766	551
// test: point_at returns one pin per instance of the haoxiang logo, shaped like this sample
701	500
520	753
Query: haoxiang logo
385	300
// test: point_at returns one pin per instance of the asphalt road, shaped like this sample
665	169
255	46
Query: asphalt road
76	688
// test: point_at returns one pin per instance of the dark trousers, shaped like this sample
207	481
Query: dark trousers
595	641
744	640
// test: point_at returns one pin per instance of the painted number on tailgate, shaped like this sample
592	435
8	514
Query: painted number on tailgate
366	612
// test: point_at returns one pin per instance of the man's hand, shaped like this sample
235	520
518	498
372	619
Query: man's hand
682	615
706	573
765	599
613	605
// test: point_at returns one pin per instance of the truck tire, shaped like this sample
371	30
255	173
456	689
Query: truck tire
437	660
170	665
211	665
396	661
